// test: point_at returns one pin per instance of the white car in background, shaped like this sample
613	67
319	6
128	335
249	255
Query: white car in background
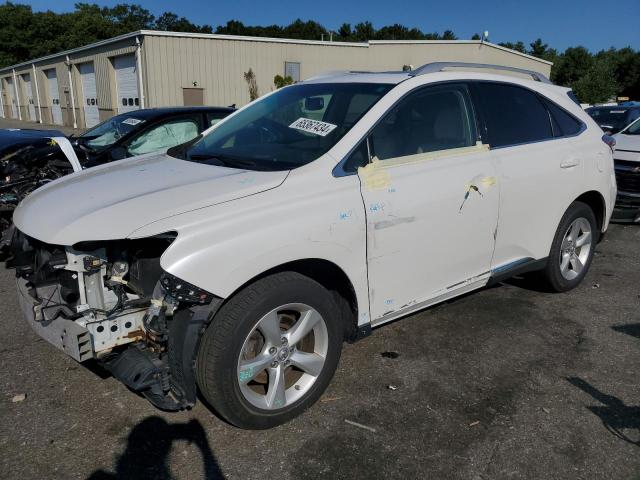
241	261
627	165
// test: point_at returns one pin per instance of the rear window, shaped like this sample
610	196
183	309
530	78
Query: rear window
514	115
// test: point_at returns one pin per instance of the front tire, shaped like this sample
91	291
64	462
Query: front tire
572	248
271	351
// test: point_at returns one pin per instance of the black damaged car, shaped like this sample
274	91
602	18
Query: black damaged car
31	158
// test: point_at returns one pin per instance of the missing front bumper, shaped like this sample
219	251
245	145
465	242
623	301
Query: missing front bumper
64	334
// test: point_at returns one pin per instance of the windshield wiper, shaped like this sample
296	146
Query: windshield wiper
222	161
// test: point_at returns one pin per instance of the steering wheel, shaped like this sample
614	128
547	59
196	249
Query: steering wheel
273	131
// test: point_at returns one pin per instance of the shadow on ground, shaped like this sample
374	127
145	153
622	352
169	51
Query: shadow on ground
148	448
632	329
621	420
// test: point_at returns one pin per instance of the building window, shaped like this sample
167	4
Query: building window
292	69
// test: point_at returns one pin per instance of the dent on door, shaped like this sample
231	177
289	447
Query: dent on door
431	221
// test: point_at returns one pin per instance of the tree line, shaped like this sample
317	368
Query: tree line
24	34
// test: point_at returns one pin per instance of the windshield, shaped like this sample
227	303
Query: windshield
612	118
287	129
107	133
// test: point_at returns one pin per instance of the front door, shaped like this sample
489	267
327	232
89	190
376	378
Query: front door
431	200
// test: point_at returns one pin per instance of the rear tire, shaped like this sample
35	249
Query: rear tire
256	365
572	249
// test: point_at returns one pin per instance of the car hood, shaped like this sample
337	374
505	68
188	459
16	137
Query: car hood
111	201
627	147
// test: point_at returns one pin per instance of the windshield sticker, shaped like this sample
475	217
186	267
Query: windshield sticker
132	121
313	126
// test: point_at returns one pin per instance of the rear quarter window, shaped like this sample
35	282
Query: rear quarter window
564	124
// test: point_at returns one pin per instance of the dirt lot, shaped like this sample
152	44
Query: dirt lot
508	382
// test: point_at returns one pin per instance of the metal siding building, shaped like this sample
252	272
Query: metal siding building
176	68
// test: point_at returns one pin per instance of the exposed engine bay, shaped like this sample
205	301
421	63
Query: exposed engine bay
25	168
112	302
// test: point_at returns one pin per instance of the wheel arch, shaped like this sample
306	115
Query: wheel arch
330	276
596	202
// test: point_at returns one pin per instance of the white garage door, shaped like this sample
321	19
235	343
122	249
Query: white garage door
12	98
26	78
89	94
54	97
126	83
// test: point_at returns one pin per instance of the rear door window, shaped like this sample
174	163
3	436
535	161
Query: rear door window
214	117
513	115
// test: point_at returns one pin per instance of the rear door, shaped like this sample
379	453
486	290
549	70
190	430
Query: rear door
540	175
126	83
54	96
431	202
89	94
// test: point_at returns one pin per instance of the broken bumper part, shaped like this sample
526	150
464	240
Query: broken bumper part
66	335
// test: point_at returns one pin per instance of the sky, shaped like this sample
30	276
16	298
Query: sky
560	23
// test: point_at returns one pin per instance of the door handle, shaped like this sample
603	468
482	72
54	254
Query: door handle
572	162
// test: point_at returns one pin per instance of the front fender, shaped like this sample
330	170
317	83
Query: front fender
221	248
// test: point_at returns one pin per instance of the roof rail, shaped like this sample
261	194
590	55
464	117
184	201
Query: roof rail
440	66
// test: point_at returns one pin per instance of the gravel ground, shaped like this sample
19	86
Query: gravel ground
508	382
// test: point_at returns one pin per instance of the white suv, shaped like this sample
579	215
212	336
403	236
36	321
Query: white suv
241	261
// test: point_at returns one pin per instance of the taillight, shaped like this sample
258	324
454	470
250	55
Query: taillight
610	141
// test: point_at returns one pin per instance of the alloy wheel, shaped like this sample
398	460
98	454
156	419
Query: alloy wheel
576	248
282	356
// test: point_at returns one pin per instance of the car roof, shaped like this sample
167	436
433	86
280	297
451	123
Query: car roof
147	113
360	77
614	107
396	77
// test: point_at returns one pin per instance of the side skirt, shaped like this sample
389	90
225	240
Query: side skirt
518	267
497	275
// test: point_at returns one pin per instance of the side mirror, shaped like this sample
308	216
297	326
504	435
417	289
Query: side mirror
118	153
314	103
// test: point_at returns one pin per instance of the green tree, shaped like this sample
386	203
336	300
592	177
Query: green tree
279	81
518	46
597	84
170	22
625	65
252	84
364	31
308	30
344	32
572	65
449	35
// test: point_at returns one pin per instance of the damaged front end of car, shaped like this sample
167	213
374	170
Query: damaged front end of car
111	301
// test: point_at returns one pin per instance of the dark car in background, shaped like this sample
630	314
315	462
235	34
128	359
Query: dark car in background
627	164
613	118
29	158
